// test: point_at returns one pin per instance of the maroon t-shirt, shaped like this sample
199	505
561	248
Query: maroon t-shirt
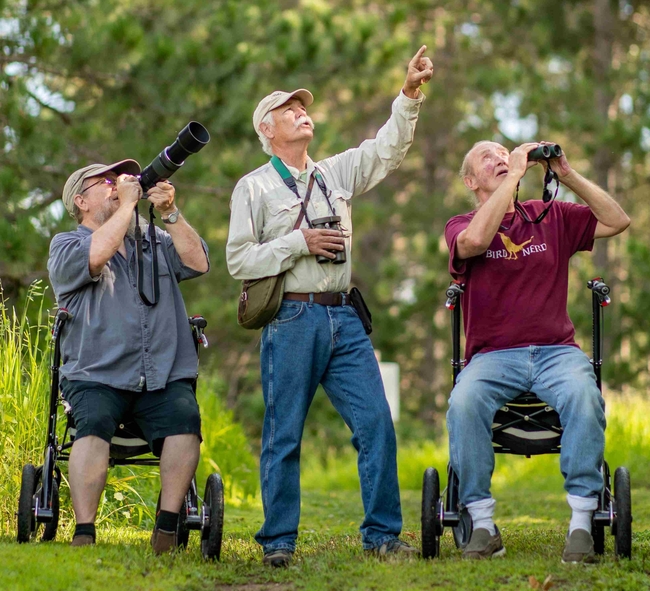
516	291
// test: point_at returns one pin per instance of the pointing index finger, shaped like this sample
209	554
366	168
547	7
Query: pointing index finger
418	55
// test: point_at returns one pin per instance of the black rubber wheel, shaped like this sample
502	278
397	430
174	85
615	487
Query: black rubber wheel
623	510
212	530
463	531
26	520
49	532
431	526
182	533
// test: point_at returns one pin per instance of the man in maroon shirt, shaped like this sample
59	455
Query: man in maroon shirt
519	335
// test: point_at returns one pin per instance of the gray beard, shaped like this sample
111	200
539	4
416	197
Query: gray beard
103	216
130	231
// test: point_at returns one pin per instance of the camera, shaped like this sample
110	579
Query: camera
545	152
192	138
332	222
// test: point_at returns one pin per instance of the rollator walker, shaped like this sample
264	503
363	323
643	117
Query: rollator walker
39	492
526	426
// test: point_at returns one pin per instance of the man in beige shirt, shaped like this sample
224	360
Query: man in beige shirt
317	337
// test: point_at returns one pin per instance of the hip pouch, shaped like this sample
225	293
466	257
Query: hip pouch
357	301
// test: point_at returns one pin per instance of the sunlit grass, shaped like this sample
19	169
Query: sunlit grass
23	408
329	554
627	444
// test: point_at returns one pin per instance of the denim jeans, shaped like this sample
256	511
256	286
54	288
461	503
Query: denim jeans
560	376
306	345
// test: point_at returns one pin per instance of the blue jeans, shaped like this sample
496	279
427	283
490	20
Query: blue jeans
306	345
560	376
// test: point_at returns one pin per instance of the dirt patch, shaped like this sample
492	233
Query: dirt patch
256	587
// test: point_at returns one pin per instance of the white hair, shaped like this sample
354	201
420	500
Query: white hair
266	142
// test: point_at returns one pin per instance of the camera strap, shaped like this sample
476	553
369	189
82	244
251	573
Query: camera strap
155	287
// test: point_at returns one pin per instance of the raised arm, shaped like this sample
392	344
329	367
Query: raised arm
186	241
612	220
359	169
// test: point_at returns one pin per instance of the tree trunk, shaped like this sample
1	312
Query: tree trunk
604	22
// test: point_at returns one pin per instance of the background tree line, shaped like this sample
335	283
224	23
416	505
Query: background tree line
101	80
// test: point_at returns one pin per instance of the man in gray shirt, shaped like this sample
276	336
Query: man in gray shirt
120	355
316	336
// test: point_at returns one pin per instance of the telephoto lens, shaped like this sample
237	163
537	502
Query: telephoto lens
192	138
545	152
332	222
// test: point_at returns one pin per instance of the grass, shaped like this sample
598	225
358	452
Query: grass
329	555
627	444
24	384
531	510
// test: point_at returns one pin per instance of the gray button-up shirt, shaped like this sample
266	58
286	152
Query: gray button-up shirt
261	239
112	337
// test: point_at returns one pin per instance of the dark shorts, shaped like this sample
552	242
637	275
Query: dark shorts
98	409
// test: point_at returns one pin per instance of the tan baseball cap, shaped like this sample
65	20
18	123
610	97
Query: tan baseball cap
277	99
75	180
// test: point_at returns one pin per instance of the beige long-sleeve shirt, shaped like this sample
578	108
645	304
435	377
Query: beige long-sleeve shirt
261	240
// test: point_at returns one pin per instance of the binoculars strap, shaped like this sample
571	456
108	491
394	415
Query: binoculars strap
290	182
546	196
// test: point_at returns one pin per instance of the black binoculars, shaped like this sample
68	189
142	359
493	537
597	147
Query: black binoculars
545	152
192	138
332	222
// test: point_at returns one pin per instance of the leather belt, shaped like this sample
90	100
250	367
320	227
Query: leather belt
324	299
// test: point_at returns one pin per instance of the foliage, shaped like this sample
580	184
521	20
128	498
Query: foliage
85	81
23	406
225	448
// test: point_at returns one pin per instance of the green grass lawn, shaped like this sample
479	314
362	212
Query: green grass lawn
533	523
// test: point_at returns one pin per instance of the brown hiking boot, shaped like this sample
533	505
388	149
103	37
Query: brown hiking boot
579	547
278	558
163	541
482	545
82	541
395	548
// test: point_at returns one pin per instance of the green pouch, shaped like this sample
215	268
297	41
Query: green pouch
260	301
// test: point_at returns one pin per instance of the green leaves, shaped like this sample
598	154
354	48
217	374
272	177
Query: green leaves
88	81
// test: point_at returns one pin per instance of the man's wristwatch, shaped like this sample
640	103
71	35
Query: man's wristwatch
172	218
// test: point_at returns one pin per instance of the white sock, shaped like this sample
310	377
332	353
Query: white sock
582	510
482	513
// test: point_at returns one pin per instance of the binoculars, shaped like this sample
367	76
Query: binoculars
545	152
332	222
192	138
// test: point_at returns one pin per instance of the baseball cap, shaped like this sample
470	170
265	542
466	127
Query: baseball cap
277	99
75	180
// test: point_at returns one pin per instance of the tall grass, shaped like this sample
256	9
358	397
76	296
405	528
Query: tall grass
23	402
131	492
225	447
627	444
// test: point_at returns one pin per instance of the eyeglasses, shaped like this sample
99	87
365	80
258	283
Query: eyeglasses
109	182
